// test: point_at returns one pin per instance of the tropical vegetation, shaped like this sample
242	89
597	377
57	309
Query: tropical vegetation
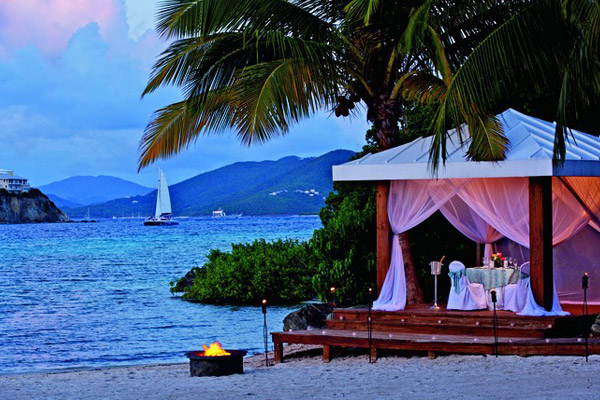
258	66
279	271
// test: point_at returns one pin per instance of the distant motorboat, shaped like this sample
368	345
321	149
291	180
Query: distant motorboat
218	213
162	213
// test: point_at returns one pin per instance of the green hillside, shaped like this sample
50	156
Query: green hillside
291	185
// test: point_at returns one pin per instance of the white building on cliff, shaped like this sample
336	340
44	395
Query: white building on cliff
13	183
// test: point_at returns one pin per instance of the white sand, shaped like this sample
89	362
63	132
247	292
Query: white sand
447	377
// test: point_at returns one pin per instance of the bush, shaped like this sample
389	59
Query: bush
344	249
279	271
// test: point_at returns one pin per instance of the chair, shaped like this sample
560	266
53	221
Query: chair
521	300
464	295
515	294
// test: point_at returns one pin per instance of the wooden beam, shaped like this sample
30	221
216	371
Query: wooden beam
478	254
383	233
540	239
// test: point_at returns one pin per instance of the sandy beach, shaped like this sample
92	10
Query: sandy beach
304	376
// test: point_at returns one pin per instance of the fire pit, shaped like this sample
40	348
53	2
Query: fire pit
214	361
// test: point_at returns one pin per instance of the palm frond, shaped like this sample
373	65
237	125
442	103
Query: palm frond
177	126
519	52
271	96
488	142
362	9
186	18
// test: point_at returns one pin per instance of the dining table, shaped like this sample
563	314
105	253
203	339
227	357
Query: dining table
493	278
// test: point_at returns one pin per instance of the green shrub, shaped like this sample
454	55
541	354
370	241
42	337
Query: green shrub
344	249
279	271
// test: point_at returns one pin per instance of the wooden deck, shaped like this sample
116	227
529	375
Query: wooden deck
418	329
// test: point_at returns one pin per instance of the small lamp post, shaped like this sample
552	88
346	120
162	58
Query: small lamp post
332	292
265	331
370	322
495	321
585	281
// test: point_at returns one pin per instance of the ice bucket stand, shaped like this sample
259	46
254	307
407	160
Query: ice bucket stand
436	269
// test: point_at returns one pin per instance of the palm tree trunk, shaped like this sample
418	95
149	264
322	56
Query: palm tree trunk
385	115
414	293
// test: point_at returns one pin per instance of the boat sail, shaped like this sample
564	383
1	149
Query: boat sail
162	213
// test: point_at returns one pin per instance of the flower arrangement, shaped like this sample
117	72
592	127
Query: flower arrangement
498	259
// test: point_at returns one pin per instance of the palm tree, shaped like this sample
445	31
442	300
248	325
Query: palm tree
548	50
258	66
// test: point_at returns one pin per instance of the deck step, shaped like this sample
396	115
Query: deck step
448	328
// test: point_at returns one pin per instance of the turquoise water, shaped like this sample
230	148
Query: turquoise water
90	295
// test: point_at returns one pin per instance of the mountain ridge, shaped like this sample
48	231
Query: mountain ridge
250	187
86	190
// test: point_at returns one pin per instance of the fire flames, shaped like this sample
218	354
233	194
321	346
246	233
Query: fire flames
214	350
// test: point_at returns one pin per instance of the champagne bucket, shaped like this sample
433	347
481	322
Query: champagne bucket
436	267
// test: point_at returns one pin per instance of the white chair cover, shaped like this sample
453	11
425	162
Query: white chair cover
531	308
464	295
515	294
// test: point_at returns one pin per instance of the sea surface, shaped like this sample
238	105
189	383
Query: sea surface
91	295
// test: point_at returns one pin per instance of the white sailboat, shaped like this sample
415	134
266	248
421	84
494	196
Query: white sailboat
162	214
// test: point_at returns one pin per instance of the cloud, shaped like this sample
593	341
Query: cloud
71	105
49	24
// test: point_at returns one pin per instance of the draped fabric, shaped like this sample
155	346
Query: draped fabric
484	210
503	203
409	204
470	224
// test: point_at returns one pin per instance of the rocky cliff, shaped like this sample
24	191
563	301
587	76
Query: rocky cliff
29	207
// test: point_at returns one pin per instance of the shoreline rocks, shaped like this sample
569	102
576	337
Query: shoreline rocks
313	315
29	207
596	327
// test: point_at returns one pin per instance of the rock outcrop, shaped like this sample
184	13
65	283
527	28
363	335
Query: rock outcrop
30	207
596	327
314	315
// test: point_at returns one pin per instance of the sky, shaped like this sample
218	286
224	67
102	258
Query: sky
71	76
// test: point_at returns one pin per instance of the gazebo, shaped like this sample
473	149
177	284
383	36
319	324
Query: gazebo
549	212
527	198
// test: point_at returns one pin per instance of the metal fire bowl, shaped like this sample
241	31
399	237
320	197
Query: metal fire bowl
218	365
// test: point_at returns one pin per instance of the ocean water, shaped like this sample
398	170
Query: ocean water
92	295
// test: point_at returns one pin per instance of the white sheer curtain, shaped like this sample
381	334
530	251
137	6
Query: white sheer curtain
501	202
409	204
504	204
470	224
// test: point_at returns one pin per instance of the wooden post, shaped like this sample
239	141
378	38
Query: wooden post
383	233
478	254
373	354
540	239
278	353
326	353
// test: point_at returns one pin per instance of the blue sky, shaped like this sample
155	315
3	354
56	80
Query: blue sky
71	75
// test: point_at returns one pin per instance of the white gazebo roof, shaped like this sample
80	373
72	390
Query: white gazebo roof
529	153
